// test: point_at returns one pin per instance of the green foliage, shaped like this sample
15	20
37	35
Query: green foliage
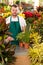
1	64
24	36
17	2
6	53
30	20
2	4
38	27
7	8
6	49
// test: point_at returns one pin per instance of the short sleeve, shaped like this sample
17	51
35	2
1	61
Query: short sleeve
22	22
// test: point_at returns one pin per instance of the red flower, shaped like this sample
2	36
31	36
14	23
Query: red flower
28	14
38	15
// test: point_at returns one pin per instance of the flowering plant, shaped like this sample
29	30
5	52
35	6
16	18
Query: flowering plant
22	15
5	15
28	14
36	14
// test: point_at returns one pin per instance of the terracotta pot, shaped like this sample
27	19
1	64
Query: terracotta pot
26	45
21	44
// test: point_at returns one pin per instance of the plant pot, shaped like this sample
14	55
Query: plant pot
26	45
21	44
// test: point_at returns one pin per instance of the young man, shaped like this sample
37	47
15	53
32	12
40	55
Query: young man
16	23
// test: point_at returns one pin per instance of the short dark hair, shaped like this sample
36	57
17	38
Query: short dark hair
14	5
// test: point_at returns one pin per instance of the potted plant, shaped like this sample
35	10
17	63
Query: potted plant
24	37
19	37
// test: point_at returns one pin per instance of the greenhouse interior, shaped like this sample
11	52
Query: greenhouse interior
21	32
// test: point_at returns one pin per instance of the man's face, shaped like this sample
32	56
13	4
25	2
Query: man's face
14	11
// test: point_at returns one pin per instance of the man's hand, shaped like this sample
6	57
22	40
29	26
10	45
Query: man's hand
9	39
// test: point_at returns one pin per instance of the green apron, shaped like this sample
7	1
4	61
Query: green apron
14	28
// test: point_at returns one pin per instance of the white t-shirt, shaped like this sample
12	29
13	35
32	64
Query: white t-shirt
21	21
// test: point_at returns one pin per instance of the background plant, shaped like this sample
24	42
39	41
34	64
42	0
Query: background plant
36	54
35	38
24	36
6	49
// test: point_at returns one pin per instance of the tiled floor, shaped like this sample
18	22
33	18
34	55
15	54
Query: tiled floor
20	51
22	60
21	56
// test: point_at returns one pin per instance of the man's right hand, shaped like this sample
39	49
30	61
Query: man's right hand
9	39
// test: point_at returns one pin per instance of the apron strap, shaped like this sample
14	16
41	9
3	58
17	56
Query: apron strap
18	18
11	18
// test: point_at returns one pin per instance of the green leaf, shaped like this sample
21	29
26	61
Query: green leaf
3	45
1	64
6	59
0	38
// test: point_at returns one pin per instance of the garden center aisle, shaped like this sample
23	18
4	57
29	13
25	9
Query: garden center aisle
21	57
20	51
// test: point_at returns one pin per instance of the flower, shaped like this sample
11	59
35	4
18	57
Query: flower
36	15
5	15
28	14
21	14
